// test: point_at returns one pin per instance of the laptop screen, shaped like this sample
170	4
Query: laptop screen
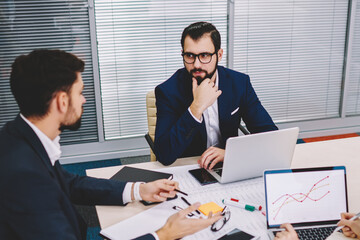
305	197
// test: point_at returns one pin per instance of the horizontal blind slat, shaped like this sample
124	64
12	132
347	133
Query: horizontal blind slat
139	47
29	25
293	53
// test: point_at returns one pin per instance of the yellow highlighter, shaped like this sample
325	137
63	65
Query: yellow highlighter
210	207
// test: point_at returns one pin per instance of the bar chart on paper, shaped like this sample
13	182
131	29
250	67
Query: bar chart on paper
305	197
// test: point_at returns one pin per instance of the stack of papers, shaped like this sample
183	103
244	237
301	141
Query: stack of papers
153	219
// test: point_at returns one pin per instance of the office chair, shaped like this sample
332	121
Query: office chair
151	117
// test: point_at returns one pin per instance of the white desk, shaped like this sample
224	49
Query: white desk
327	153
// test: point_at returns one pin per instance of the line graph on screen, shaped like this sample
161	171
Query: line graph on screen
320	189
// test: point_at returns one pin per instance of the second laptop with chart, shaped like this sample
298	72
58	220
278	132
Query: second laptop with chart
311	199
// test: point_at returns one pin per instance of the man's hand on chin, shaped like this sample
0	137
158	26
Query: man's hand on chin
211	157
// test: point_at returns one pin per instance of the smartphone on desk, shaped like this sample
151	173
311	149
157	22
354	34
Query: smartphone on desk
203	176
237	234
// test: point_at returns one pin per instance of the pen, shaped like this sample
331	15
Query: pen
351	219
235	202
222	212
176	190
186	201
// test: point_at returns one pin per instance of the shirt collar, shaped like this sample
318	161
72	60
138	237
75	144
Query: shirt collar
52	147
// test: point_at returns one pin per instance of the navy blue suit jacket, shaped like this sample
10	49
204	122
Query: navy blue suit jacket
36	198
178	134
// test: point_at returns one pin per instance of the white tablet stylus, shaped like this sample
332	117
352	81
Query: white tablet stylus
351	219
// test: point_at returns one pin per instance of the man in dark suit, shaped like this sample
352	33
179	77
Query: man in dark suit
37	194
201	105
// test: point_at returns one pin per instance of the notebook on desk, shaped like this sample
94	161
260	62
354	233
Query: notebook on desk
311	199
131	174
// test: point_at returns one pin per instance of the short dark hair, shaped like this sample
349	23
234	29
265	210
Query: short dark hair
36	78
198	29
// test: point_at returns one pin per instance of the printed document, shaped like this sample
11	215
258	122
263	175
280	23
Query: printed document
249	191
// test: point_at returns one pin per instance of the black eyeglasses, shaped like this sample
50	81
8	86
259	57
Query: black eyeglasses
217	226
204	57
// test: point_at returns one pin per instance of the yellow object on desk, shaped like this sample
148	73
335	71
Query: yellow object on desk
210	207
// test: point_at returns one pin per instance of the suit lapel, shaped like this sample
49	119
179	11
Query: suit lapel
32	139
203	133
61	178
224	100
186	88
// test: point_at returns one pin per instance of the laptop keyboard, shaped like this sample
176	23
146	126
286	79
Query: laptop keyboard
218	168
314	233
218	171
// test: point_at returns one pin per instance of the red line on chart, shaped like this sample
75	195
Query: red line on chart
300	199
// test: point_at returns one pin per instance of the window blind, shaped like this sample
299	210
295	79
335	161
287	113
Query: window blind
293	52
28	25
138	48
353	92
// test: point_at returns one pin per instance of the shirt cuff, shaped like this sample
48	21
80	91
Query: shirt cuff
155	236
127	193
137	195
199	121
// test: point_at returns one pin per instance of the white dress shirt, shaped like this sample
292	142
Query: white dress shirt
52	148
211	118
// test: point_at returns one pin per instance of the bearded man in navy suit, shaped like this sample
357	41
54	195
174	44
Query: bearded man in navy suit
37	194
201	105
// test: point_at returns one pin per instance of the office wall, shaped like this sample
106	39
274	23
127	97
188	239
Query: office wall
302	57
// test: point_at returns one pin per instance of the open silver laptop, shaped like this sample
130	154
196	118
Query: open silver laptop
311	199
248	156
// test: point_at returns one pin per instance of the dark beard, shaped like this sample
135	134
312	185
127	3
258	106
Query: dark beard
209	75
72	127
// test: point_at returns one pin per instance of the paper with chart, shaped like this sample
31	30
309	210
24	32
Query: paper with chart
248	191
305	196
